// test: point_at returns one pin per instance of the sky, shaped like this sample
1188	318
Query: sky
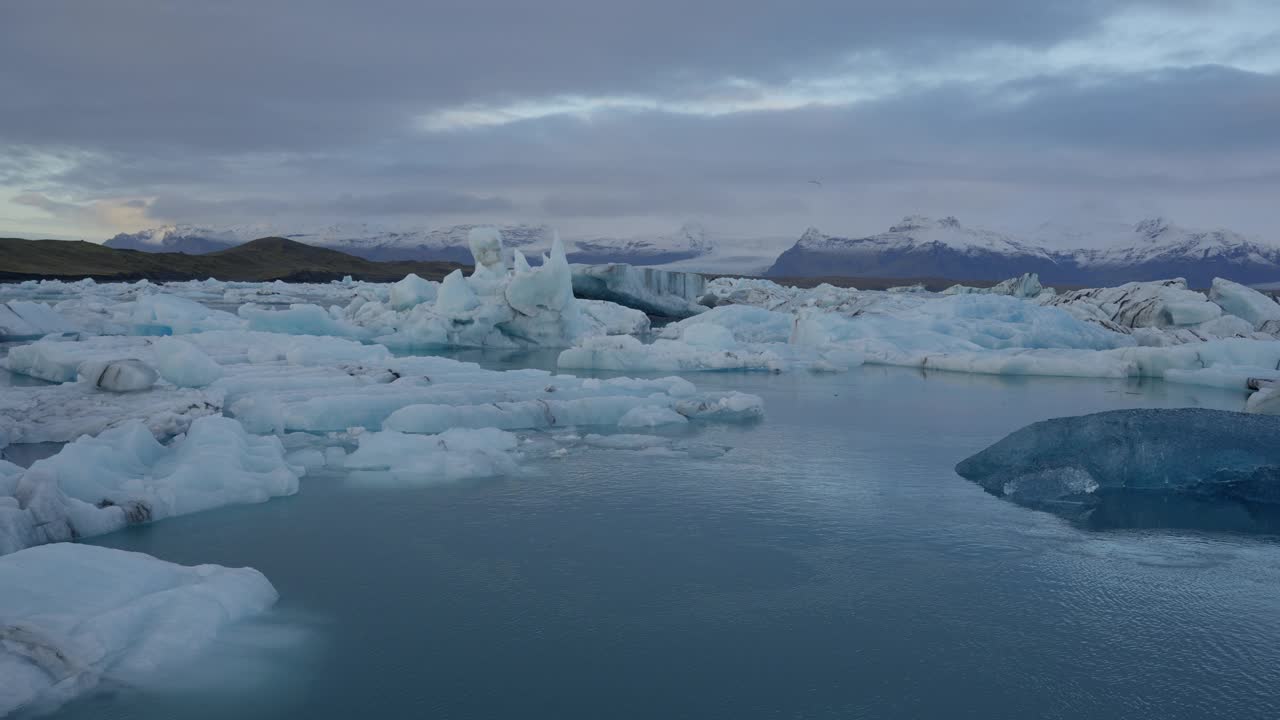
602	117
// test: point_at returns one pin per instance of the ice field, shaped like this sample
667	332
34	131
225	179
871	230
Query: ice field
139	415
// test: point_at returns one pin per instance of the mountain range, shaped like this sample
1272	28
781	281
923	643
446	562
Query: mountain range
921	246
918	246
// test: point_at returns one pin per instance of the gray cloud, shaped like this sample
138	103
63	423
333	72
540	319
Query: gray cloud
244	111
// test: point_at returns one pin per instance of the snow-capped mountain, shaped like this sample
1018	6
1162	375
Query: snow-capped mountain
923	247
177	238
690	241
916	247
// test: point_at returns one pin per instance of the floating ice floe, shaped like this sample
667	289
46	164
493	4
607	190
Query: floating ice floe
391	457
122	476
1205	453
77	618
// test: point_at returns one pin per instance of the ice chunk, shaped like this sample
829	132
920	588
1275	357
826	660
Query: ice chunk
184	364
75	617
25	320
128	375
457	454
665	293
412	291
1244	302
651	416
1208	453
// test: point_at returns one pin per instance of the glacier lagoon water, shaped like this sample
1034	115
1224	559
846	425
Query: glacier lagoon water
831	565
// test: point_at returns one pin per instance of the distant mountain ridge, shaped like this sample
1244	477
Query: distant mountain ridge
447	244
264	259
920	246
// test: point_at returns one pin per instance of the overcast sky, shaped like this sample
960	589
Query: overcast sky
607	117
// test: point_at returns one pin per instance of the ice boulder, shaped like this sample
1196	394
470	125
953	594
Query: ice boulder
665	293
75	618
1244	302
128	375
1204	453
26	320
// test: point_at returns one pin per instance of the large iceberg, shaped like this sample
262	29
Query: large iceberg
75	618
1205	453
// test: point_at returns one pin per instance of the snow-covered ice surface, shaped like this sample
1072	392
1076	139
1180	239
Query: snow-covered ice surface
77	618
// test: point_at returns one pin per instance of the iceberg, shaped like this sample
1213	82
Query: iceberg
1205	453
75	618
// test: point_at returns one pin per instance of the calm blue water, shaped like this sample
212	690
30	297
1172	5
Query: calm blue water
831	565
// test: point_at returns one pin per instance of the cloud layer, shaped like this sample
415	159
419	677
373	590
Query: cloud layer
621	117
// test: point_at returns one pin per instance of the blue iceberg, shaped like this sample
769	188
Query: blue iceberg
1187	453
